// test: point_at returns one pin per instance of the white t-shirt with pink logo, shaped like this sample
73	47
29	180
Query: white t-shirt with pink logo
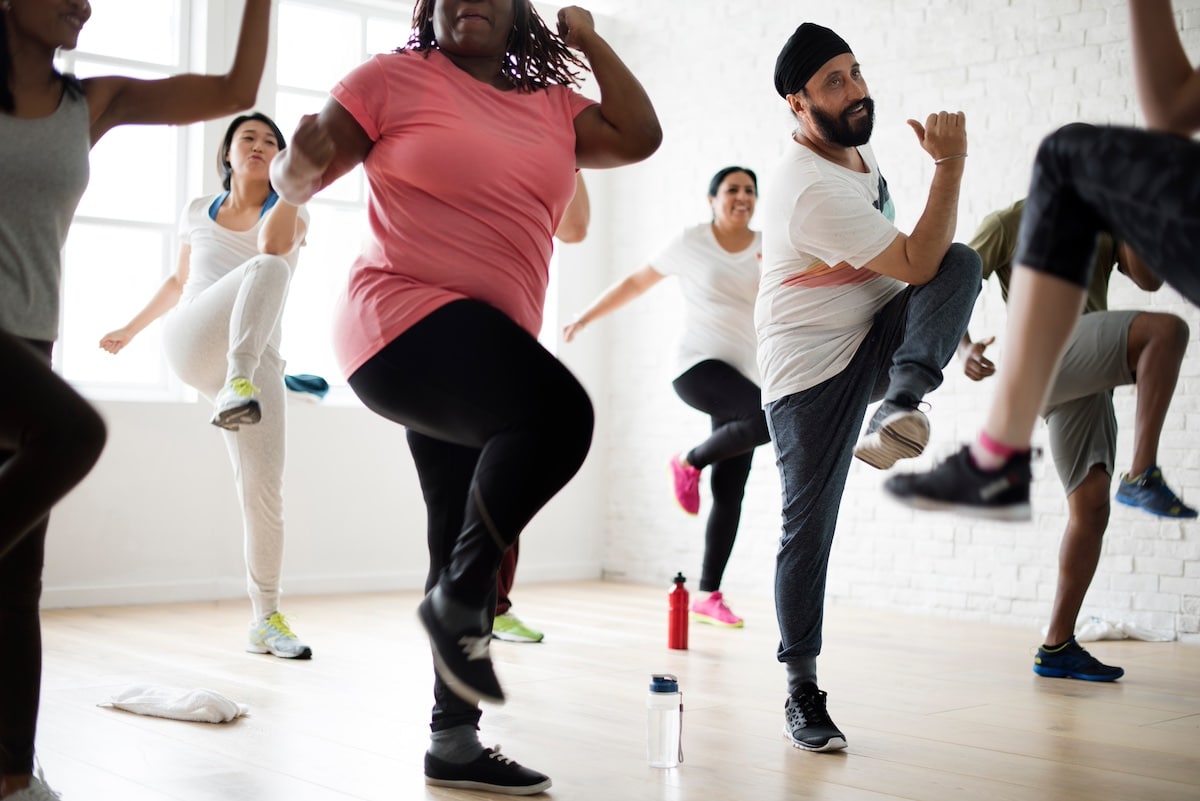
821	224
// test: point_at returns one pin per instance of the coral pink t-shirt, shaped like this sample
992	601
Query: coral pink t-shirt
466	185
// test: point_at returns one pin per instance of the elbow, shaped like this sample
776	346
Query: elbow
275	246
571	234
650	139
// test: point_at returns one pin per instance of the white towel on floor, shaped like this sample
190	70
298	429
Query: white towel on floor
177	703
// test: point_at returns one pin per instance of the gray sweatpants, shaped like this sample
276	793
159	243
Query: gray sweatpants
814	431
230	329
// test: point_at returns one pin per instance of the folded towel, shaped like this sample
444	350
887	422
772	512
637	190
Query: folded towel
204	706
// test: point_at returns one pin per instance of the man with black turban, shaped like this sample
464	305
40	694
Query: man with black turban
850	311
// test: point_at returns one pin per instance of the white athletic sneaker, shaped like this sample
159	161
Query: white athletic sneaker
274	636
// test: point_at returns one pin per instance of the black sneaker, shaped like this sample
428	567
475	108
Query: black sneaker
807	723
896	431
461	658
1072	661
958	485
490	771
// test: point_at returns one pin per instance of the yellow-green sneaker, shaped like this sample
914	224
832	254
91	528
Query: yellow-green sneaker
508	627
273	636
235	405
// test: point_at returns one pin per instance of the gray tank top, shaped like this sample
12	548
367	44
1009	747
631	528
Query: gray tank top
43	172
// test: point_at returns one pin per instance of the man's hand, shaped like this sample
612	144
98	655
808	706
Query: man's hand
944	135
976	366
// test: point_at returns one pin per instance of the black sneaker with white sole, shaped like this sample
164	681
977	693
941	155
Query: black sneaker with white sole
491	771
461	658
957	485
806	721
896	431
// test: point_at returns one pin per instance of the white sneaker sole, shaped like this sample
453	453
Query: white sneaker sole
834	744
1013	513
901	436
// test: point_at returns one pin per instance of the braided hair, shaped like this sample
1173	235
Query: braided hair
535	57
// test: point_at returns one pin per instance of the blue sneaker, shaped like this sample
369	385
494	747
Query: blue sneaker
1072	661
1149	492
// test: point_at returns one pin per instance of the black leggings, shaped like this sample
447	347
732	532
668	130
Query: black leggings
739	425
1140	186
496	427
49	439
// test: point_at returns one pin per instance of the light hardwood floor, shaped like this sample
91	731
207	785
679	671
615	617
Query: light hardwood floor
933	709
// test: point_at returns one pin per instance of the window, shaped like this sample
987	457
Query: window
317	44
123	242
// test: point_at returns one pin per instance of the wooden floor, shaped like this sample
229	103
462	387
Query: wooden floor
933	710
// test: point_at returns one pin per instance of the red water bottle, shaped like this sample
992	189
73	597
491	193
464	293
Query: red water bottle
677	617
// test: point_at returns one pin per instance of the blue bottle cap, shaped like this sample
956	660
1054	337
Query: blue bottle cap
664	683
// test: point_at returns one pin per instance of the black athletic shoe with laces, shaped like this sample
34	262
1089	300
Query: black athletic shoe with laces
957	485
807	723
461	658
491	771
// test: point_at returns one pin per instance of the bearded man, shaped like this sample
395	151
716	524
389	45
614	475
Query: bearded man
850	311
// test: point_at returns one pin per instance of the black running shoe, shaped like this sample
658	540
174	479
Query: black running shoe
490	771
896	432
958	485
461	658
807	723
1072	661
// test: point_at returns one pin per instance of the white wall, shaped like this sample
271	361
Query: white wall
1018	69
355	520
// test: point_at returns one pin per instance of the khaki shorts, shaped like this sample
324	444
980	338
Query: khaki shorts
1079	410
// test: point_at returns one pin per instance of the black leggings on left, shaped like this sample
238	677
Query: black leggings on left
496	427
739	425
50	438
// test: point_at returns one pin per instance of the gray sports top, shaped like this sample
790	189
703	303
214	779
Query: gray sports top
43	172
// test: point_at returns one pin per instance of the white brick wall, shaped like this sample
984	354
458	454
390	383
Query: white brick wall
1019	69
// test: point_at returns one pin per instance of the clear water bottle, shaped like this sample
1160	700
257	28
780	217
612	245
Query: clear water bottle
664	722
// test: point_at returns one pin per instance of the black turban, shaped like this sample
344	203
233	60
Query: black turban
805	52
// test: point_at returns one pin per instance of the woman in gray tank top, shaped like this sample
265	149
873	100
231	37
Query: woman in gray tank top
49	436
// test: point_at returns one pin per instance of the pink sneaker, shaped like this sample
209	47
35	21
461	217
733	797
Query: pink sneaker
714	612
687	485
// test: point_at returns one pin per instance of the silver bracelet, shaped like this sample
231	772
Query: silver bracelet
950	158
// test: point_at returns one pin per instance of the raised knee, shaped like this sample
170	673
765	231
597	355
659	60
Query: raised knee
267	264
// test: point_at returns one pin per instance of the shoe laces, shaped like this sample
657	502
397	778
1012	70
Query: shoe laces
243	388
811	707
278	622
494	753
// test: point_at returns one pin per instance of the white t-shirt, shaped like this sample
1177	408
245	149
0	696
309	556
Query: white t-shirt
719	289
216	250
810	316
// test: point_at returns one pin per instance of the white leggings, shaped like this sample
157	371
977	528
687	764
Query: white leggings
231	329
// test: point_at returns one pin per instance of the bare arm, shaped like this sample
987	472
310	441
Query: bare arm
573	226
324	147
1137	270
1168	85
183	99
632	286
623	128
282	231
163	301
915	258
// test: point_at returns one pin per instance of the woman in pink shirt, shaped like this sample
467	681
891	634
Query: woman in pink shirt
470	136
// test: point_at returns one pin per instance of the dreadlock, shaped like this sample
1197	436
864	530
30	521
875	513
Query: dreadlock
8	104
535	56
